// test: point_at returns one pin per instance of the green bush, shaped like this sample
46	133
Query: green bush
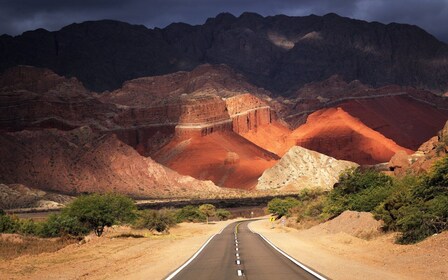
28	227
281	207
208	210
98	211
223	214
159	220
9	224
358	190
418	207
62	224
190	213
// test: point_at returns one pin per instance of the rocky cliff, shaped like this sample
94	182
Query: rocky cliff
300	169
279	53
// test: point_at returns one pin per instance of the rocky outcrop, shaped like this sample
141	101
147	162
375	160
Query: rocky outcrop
248	112
301	168
279	53
424	158
19	196
82	161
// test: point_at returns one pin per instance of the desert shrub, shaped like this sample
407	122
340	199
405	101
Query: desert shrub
159	220
98	211
358	190
208	210
190	213
418	207
281	207
9	224
28	227
223	214
61	225
311	206
2	212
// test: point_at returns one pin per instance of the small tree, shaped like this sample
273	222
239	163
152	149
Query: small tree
159	220
208	210
189	213
98	211
281	207
223	214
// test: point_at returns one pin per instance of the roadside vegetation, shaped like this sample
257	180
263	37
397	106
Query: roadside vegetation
92	213
414	205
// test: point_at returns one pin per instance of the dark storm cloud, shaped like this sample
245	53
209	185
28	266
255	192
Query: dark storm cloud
17	16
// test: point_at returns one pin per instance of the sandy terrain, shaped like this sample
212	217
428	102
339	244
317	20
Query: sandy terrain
151	257
334	251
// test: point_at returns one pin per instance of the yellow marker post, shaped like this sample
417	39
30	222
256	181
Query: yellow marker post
272	219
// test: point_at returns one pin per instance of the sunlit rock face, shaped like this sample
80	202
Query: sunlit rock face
301	168
279	53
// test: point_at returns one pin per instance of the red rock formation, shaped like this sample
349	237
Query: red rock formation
83	161
272	137
401	118
248	112
226	158
336	133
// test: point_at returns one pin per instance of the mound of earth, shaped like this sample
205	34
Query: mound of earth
301	168
19	196
82	161
358	224
336	133
225	158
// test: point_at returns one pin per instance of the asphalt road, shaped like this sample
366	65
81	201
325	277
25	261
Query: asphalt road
237	253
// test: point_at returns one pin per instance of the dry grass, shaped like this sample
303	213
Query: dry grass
13	246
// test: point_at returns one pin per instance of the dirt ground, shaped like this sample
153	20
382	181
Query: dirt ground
109	257
338	250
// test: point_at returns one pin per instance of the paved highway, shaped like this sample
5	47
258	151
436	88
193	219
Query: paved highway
237	253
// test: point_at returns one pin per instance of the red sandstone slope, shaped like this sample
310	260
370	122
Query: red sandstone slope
83	161
273	137
405	120
226	158
336	133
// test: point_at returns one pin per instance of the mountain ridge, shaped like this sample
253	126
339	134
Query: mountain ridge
279	53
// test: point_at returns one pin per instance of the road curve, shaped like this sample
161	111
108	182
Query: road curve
238	253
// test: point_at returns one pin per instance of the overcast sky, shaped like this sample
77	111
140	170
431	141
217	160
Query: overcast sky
17	16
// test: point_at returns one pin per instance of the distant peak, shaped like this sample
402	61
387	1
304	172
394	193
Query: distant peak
250	15
332	15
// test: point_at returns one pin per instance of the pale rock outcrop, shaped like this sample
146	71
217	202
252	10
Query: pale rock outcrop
301	168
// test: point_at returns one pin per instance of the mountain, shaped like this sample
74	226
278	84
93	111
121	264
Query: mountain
279	53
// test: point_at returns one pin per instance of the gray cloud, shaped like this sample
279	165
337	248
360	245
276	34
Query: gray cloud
21	15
